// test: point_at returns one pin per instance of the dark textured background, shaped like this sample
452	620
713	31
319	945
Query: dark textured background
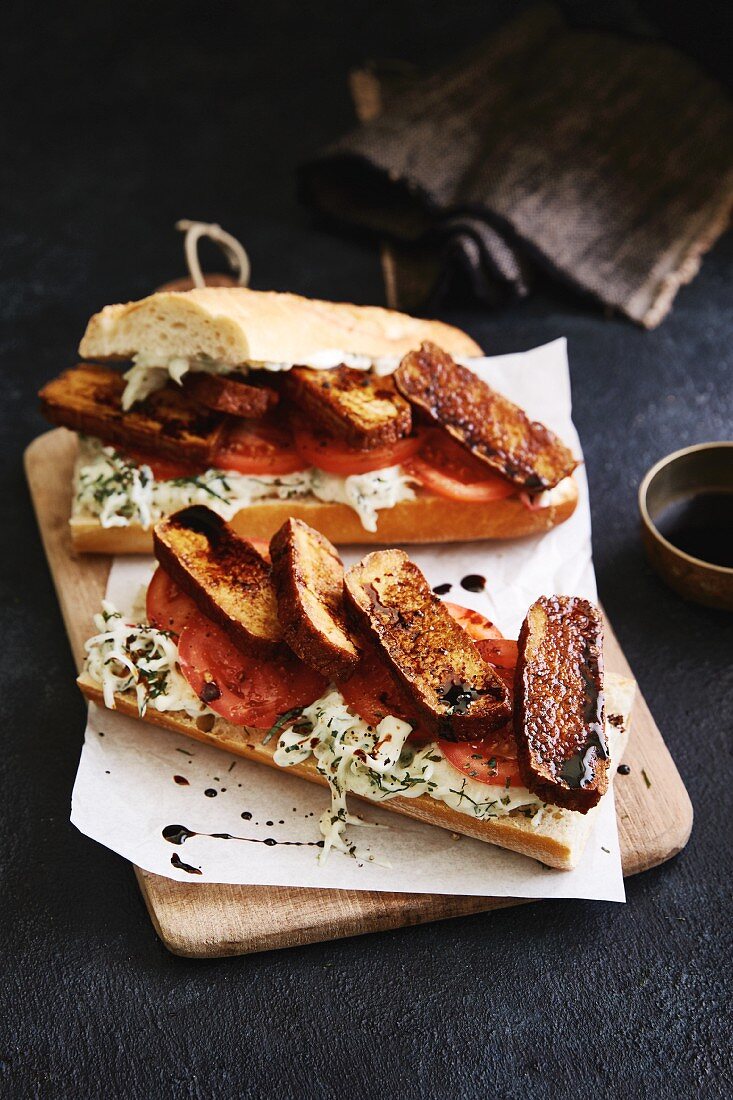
117	120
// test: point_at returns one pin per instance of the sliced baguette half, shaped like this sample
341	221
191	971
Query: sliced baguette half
557	841
235	326
427	518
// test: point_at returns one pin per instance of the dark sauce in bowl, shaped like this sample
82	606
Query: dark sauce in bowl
701	525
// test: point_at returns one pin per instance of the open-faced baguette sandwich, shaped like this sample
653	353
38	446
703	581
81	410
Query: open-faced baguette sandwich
263	406
366	682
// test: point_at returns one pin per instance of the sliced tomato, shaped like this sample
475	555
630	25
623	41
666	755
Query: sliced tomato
168	608
501	653
451	471
492	760
259	448
476	625
163	469
372	691
321	449
247	691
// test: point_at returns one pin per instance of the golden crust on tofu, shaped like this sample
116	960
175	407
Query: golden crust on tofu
88	399
489	425
309	582
559	706
357	406
225	576
228	394
458	695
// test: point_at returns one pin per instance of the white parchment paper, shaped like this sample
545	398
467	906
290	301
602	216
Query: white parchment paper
135	782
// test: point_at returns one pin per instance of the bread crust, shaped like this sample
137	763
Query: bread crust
426	519
235	325
558	843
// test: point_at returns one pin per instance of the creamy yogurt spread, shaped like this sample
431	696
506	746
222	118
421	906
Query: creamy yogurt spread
117	492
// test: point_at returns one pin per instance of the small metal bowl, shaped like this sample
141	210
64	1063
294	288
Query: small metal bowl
704	468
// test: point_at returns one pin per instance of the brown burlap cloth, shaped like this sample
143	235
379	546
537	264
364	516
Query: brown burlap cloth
605	160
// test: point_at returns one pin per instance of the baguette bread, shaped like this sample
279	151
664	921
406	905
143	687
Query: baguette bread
425	519
557	841
236	326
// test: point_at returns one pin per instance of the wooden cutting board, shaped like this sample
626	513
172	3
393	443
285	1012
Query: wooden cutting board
208	921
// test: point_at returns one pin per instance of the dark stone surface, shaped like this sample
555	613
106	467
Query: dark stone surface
118	120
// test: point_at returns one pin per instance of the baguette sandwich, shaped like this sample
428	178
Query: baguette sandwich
262	406
366	682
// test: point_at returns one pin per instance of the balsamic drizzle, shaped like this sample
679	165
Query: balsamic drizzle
179	834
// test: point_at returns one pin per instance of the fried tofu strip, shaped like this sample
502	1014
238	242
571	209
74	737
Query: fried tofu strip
88	399
361	408
224	574
457	694
228	394
559	707
309	581
493	428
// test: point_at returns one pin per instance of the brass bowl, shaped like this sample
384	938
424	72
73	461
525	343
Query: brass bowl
704	468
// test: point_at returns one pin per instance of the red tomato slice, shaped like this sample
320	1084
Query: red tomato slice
247	691
502	654
333	455
168	608
476	625
372	691
253	447
449	470
164	469
493	760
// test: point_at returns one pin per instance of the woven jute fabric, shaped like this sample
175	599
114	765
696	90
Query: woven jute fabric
604	160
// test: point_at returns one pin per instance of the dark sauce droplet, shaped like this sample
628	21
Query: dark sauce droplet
180	780
210	792
179	834
442	589
246	815
623	769
473	582
176	861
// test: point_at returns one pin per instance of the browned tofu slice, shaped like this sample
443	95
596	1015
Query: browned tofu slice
228	394
558	699
309	581
88	399
224	574
457	694
357	406
493	428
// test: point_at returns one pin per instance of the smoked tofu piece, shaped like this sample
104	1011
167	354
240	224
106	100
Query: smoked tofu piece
166	424
357	406
228	394
309	581
490	426
559	705
457	694
224	575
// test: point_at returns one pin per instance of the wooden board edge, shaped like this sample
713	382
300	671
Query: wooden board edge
356	905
